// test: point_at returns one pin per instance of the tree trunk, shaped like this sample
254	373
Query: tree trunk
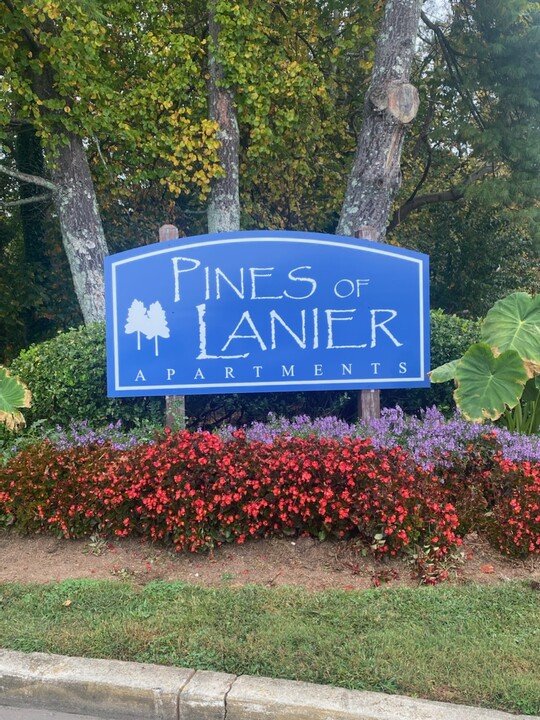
224	203
391	103
80	224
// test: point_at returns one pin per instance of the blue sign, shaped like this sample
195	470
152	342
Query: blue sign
266	311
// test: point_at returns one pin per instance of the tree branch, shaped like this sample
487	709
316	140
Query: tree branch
425	173
454	69
451	195
25	201
32	179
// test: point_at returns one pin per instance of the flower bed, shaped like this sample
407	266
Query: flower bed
199	489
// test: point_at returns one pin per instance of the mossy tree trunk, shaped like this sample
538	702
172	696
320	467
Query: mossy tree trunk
391	103
224	203
80	223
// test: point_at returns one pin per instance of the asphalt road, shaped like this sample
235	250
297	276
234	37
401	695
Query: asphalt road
11	713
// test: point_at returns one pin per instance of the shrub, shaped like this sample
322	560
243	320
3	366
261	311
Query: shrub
67	377
430	438
514	526
196	490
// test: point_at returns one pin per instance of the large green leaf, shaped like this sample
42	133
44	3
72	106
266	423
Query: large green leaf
13	395
487	385
445	372
514	324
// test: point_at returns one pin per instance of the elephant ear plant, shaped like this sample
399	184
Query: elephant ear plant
500	375
13	395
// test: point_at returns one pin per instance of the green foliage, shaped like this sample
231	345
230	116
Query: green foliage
491	376
13	395
498	43
513	324
67	377
130	77
44	301
478	254
472	156
525	416
299	70
450	338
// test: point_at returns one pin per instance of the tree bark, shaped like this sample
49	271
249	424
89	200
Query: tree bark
72	185
224	203
80	224
391	103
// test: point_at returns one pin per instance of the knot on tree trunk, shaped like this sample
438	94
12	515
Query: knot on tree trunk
399	99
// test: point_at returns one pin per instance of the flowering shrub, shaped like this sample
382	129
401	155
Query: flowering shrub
77	433
200	489
195	490
514	526
430	438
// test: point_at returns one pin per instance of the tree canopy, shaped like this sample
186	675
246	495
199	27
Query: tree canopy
125	83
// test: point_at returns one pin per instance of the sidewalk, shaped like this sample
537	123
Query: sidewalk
130	691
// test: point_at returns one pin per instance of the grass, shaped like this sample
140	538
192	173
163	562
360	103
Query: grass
473	645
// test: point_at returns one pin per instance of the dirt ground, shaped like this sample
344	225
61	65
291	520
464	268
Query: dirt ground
302	562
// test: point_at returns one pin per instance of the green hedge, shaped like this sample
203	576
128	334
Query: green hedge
67	377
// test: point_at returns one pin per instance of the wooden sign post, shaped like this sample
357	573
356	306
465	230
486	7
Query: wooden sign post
175	405
368	401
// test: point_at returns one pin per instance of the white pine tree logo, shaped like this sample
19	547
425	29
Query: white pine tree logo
137	320
157	324
151	322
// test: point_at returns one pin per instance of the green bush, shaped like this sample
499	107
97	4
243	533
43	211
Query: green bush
450	338
67	378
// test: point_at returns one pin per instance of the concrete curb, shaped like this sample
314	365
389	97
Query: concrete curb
132	691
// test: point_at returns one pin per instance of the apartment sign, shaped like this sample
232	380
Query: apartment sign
265	311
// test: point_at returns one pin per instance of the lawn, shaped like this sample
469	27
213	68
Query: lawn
471	644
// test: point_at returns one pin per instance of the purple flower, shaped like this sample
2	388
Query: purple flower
429	439
79	434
